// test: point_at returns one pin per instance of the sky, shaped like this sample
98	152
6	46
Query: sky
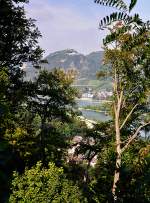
73	24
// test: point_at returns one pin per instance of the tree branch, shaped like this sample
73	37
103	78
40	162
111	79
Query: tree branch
120	101
127	117
133	137
116	85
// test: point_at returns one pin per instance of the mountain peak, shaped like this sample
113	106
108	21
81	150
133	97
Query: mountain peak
86	65
65	51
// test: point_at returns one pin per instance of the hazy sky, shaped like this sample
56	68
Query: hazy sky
73	23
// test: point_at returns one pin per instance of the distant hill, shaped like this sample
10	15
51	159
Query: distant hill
86	66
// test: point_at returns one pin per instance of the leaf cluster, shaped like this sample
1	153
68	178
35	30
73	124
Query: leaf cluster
43	185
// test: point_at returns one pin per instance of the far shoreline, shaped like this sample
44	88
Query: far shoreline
93	100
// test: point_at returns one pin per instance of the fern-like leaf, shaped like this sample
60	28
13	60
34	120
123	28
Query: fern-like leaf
114	17
132	4
114	35
119	4
120	16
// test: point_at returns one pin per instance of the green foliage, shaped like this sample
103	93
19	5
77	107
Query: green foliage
6	165
131	66
40	184
134	180
51	97
95	140
97	84
112	3
18	44
41	127
102	176
119	4
37	119
127	52
4	82
114	17
22	136
119	18
18	36
132	4
95	108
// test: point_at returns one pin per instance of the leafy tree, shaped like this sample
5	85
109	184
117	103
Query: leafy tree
6	165
18	36
94	142
40	184
131	83
52	99
120	4
127	51
134	180
5	147
18	44
42	126
23	137
4	82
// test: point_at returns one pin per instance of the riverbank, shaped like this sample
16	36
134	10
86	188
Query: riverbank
93	100
92	114
89	123
98	111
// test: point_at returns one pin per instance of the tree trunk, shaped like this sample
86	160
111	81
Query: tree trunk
118	150
117	173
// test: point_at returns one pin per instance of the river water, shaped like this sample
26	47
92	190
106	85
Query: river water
92	115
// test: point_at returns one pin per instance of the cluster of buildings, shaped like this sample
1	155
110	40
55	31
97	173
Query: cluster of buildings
100	95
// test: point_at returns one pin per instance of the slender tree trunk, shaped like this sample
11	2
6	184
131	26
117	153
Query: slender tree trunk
117	107
118	160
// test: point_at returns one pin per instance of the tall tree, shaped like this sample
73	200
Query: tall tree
18	44
127	51
52	99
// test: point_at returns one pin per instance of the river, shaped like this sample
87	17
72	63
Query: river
89	114
98	116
